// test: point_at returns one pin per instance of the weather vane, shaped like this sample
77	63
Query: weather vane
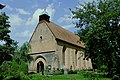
45	11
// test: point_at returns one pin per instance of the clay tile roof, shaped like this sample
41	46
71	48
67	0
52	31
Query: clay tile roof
64	35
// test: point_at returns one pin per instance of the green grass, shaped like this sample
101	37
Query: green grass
63	77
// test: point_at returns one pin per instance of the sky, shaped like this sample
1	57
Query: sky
24	15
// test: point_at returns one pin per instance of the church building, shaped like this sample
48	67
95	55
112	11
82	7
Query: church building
56	48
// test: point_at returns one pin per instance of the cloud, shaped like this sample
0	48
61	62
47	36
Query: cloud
22	11
68	26
9	7
26	33
34	19
50	9
23	34
65	18
19	21
59	4
67	21
15	20
35	6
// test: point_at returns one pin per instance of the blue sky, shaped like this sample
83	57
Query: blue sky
23	15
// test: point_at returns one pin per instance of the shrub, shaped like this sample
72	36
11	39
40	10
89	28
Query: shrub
10	70
58	72
17	76
72	72
62	71
103	68
115	77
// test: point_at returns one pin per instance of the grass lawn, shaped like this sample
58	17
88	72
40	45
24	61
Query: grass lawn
63	77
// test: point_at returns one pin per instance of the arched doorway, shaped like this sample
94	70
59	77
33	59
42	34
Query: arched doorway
40	64
40	67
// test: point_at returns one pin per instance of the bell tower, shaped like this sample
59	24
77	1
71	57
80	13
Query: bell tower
44	16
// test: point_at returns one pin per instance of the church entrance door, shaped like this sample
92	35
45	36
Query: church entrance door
40	67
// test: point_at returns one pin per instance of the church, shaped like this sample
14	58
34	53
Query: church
56	48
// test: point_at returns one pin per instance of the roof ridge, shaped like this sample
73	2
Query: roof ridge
49	28
61	33
62	28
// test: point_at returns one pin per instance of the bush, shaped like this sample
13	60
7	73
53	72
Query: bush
58	72
115	77
10	70
62	71
16	68
103	68
72	72
17	76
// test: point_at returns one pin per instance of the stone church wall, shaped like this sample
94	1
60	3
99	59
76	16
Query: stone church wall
73	57
46	58
42	39
49	50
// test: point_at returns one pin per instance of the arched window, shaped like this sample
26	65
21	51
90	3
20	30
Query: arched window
41	38
76	57
63	55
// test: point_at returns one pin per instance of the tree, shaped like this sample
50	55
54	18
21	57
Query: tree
17	68
1	6
21	53
7	45
99	28
13	59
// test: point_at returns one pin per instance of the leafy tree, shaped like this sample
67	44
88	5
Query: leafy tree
7	45
21	53
1	6
17	68
13	59
99	28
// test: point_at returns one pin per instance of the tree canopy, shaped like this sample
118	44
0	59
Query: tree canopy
7	45
99	28
13	59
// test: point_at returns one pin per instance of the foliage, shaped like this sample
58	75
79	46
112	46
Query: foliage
11	69
7	45
72	72
16	68
54	71
103	68
99	28
22	53
115	77
58	71
62	71
13	59
18	76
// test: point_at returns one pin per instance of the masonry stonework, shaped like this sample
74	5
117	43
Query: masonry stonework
56	48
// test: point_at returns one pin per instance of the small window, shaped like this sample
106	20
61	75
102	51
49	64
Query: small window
40	37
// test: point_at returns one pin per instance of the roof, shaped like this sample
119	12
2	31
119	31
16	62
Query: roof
62	34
